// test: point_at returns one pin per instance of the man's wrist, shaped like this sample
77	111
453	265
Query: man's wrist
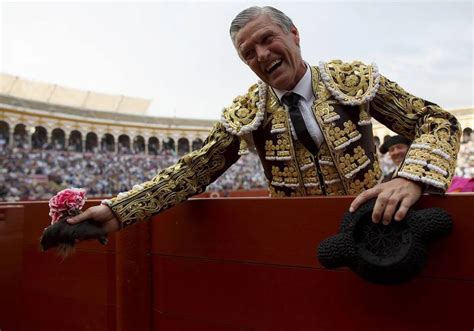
420	184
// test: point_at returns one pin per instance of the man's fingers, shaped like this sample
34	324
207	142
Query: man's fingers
99	213
393	198
379	208
390	209
403	209
397	207
81	217
363	197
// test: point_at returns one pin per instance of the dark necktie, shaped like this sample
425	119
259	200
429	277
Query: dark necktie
292	100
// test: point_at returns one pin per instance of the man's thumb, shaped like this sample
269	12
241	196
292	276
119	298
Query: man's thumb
73	220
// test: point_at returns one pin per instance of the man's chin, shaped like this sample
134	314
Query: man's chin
279	82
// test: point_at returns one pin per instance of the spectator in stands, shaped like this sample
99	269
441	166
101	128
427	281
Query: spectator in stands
397	147
336	132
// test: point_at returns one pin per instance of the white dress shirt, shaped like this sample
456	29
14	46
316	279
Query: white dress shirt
304	88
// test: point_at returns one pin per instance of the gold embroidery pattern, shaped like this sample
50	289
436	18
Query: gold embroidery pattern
189	176
313	191
308	170
244	115
371	178
286	177
352	164
273	104
279	121
424	157
338	167
350	83
280	151
331	176
304	157
238	114
325	156
329	172
274	193
340	138
435	133
394	106
311	182
243	147
327	113
281	148
364	116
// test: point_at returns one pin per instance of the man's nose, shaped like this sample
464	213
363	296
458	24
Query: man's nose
398	150
262	53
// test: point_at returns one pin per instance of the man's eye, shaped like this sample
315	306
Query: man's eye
267	39
249	54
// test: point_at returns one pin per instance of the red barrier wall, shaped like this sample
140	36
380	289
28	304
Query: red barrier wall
227	264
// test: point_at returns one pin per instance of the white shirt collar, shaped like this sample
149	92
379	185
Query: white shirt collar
304	87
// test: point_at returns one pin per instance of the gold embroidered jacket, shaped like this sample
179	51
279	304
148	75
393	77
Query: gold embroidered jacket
347	96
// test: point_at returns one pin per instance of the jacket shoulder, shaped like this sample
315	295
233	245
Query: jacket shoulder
352	83
246	112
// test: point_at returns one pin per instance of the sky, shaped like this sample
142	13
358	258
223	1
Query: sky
179	54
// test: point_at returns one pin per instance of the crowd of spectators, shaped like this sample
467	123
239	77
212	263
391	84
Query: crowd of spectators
37	174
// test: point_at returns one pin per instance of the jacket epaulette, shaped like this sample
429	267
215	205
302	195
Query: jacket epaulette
246	112
350	83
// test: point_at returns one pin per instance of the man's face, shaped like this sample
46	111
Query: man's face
397	153
271	53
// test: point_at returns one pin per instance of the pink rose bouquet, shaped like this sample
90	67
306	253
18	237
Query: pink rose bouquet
61	234
68	202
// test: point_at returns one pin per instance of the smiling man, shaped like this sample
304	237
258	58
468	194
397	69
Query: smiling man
271	52
311	127
397	147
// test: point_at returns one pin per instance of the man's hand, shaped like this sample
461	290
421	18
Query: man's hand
101	214
398	193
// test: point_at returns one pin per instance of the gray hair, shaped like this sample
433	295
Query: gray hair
246	15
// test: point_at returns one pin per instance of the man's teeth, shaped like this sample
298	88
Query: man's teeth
272	65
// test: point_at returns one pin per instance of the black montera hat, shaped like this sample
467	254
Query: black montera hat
384	254
393	141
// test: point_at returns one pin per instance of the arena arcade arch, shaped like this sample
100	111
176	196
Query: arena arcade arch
58	139
25	128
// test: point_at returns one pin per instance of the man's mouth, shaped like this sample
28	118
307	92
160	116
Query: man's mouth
273	66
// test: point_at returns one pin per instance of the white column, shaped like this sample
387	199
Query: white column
49	139
10	142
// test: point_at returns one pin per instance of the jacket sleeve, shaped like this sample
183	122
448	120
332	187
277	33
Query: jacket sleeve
435	135
189	176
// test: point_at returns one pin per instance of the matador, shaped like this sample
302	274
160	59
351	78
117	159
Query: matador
340	99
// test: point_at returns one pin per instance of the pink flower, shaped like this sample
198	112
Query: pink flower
67	202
